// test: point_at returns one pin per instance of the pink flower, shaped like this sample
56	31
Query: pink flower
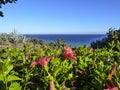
69	56
33	64
51	85
68	48
42	61
68	53
111	86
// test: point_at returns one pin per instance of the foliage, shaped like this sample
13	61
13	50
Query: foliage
14	38
90	69
4	2
113	36
7	78
56	66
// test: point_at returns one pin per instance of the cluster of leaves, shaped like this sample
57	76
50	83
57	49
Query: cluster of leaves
14	38
3	2
34	68
112	36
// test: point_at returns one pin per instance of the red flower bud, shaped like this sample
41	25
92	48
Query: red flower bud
26	56
111	72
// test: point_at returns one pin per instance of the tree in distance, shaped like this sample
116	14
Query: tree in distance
4	2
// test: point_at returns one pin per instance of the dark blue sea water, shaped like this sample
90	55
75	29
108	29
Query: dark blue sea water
71	39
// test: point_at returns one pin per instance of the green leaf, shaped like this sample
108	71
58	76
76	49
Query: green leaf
15	86
7	66
1	64
13	78
106	69
70	76
57	71
1	77
97	72
55	60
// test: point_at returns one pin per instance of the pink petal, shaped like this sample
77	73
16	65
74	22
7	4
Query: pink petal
69	56
48	58
33	64
44	61
27	57
67	48
51	85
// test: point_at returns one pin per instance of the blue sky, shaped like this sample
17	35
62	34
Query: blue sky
61	16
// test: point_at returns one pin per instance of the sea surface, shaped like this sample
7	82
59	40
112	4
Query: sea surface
71	39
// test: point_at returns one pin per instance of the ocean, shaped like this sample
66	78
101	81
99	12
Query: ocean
70	39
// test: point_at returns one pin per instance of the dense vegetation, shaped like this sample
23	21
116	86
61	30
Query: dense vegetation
35	65
112	37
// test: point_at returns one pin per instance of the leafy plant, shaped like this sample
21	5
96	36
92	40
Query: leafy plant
42	67
7	78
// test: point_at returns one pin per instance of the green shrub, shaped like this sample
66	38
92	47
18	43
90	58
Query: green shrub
112	36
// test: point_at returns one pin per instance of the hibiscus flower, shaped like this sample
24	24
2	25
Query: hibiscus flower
44	61
111	86
69	53
41	61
